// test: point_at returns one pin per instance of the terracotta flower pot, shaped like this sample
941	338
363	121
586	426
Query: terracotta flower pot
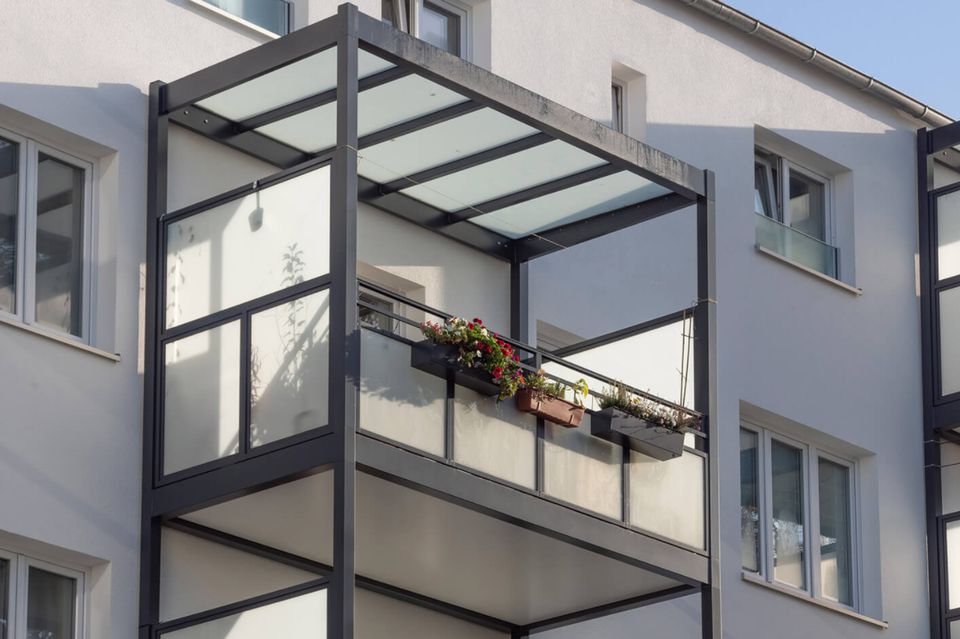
553	409
640	435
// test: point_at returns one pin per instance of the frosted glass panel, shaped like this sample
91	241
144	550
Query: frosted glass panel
397	401
302	616
570	205
201	407
494	438
5	621
249	247
439	144
948	235
582	469
289	355
953	563
493	179
950	478
310	131
950	341
404	99
667	497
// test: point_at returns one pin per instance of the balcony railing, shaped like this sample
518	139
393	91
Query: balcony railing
797	246
452	424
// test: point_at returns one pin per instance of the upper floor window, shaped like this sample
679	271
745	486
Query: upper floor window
45	236
269	15
793	203
797	516
39	600
442	23
617	99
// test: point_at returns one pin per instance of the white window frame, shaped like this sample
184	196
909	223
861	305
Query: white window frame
781	205
246	23
460	9
27	195
811	516
18	587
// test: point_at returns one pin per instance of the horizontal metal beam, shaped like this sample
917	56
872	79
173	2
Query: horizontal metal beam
243	477
250	64
943	137
630	546
623	333
532	193
467	162
511	99
309	565
318	100
608	609
436	117
534	246
434	219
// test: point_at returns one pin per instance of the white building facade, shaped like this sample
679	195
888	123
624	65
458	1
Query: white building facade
811	518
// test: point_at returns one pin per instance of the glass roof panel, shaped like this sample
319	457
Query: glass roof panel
439	144
311	75
403	99
503	176
310	131
570	205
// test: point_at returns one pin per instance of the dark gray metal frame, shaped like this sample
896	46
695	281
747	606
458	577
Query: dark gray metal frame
337	447
941	413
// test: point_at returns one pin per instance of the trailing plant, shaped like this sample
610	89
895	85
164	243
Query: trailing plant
540	385
646	409
480	348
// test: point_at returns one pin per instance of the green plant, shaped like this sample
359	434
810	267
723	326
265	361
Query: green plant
644	408
541	385
482	349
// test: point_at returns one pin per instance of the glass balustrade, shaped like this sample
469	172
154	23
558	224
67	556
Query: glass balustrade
796	246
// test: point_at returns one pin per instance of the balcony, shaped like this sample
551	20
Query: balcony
312	202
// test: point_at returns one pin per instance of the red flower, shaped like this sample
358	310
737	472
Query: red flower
478	321
469	326
516	357
497	372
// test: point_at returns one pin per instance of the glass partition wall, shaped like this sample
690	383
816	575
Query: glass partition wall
335	189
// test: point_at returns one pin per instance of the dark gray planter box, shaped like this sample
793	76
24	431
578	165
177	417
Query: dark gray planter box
640	435
441	360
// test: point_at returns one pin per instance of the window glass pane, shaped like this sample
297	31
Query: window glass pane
788	519
440	27
616	104
302	616
59	266
249	247
953	564
762	186
272	15
808	206
51	605
4	599
9	201
201	406
289	351
836	565
949	300
749	501
948	235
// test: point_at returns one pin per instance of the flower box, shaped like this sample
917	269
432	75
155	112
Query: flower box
640	435
441	360
553	409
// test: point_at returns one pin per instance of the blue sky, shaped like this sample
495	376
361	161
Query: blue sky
905	43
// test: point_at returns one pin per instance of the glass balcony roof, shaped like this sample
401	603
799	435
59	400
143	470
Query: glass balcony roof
432	146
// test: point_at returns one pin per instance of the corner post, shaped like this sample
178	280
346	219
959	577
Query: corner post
519	299
157	131
705	395
344	332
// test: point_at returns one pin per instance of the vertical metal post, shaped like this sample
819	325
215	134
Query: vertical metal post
156	207
520	300
705	395
931	445
344	330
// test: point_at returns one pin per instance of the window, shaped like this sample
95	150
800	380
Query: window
45	236
617	118
272	16
793	205
39	600
797	516
439	22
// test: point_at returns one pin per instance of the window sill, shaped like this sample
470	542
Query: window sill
237	19
802	596
40	332
853	290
